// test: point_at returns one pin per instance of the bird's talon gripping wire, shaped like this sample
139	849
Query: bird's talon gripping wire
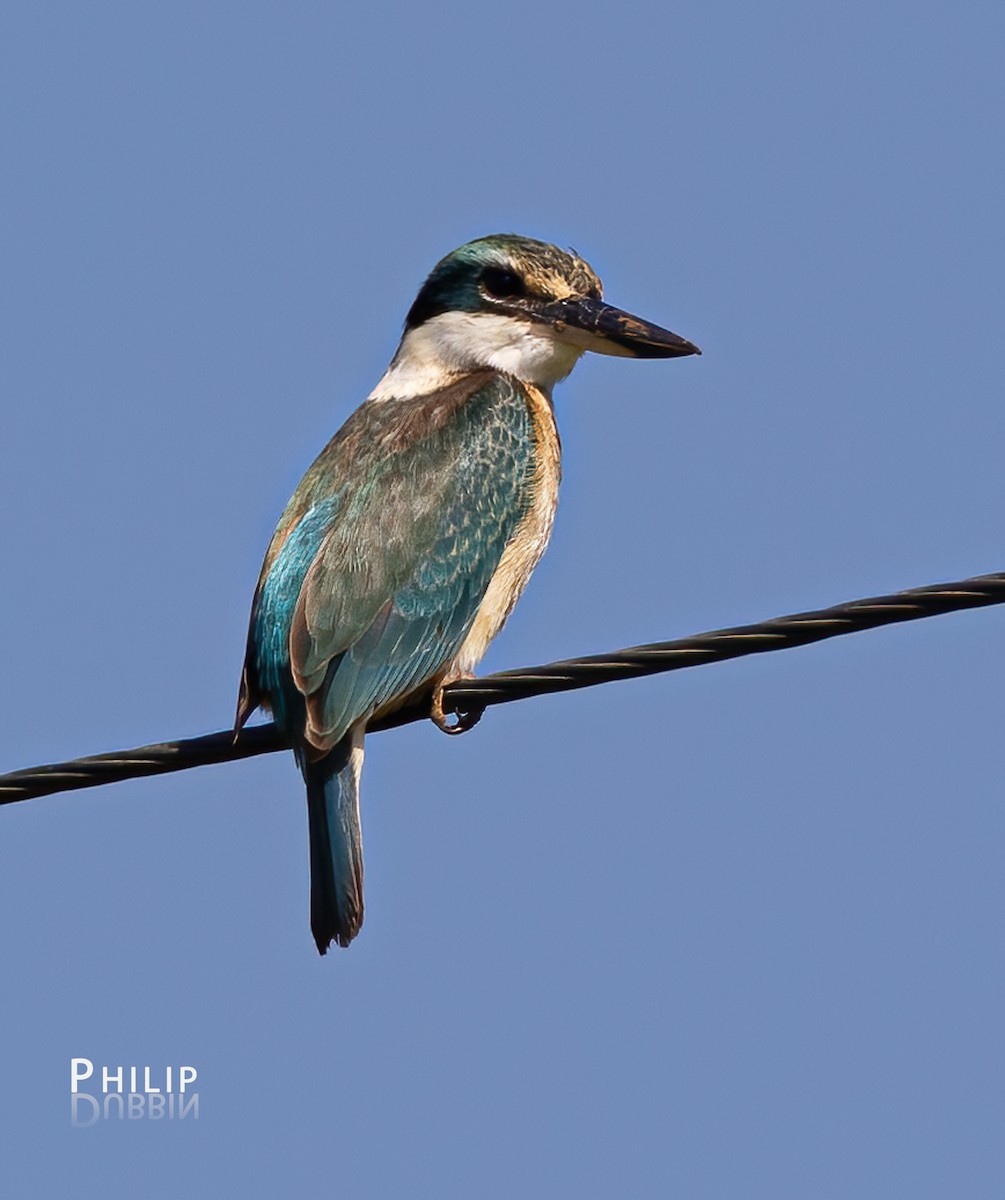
463	720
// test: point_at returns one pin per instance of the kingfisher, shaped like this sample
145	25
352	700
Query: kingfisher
406	545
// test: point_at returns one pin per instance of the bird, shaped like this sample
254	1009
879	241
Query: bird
409	540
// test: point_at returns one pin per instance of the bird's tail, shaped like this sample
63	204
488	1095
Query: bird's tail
336	843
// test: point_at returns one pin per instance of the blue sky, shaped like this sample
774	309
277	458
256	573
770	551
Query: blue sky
734	932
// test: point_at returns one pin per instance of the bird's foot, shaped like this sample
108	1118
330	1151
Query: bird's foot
463	720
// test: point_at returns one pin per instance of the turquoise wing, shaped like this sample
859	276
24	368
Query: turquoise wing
386	552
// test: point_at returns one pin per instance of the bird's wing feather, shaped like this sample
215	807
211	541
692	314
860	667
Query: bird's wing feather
420	506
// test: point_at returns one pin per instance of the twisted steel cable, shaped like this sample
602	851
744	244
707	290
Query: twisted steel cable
471	697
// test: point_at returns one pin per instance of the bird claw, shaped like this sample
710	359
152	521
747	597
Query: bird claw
464	720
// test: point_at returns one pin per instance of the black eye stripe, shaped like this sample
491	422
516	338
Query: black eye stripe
499	282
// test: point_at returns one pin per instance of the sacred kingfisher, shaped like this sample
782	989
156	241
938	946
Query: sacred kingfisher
409	540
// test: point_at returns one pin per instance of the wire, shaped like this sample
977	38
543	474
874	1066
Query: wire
470	697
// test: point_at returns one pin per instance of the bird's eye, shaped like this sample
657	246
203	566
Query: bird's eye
501	284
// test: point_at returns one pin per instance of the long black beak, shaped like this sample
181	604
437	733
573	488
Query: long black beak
608	330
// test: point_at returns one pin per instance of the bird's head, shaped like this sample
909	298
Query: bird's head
522	307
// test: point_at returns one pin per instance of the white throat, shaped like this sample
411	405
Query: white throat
455	343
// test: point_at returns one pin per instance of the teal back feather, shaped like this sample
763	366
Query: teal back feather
276	603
